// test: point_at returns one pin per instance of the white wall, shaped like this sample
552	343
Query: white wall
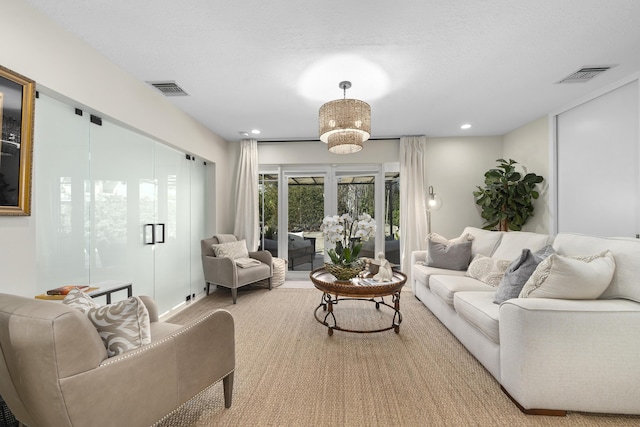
64	66
455	167
529	146
316	152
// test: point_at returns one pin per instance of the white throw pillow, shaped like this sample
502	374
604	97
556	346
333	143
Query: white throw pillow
488	270
562	277
231	250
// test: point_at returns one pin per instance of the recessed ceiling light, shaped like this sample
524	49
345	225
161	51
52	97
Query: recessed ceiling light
244	133
465	126
255	132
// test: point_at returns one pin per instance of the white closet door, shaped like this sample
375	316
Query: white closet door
61	172
598	164
123	199
173	232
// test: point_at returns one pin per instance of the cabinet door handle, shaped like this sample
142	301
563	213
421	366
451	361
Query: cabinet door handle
161	240
149	234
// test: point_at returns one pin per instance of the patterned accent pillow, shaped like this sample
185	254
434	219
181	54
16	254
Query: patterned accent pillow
488	270
123	325
231	250
583	277
80	301
519	272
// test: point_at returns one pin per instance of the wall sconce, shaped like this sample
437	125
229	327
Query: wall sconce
433	204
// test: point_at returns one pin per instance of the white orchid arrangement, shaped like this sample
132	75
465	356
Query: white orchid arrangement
347	235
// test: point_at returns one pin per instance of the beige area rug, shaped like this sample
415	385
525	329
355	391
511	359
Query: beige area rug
289	372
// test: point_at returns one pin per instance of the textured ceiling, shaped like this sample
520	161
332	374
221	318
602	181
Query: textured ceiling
425	66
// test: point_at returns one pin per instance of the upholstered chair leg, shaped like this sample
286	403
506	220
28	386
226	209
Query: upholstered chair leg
269	283
227	384
208	287
234	294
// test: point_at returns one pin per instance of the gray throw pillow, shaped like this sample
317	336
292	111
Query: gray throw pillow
454	256
519	272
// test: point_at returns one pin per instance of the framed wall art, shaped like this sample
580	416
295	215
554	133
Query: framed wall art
17	99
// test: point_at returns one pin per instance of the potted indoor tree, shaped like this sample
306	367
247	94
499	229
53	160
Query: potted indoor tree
506	200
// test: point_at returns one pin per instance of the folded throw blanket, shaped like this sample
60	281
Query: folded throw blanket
246	262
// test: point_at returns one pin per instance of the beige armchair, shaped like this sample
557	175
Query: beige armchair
54	369
225	272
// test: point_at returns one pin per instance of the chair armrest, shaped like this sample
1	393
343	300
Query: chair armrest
220	271
156	377
152	307
263	256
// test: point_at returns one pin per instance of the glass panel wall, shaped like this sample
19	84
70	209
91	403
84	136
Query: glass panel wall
101	191
61	179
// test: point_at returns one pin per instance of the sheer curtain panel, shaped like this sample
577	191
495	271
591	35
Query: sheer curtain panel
413	217
246	224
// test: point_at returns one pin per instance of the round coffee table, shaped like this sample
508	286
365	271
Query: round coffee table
334	291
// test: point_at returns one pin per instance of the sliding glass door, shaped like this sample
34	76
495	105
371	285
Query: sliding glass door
305	209
297	201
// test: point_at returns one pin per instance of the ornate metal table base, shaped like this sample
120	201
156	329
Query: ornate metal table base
327	302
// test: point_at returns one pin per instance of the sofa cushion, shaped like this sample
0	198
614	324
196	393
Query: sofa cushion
231	250
519	272
584	277
478	309
484	241
626	252
446	286
513	242
421	273
455	256
487	270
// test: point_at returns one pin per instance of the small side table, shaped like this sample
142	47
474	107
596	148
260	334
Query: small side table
97	290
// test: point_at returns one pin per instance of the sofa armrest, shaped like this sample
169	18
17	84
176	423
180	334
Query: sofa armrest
148	382
415	257
571	355
418	256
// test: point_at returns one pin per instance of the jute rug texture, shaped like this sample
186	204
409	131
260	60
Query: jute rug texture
289	372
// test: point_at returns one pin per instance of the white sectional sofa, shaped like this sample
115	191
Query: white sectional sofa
549	355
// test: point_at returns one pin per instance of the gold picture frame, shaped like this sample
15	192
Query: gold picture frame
17	105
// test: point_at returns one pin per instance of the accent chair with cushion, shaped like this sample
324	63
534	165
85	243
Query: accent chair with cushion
227	262
55	369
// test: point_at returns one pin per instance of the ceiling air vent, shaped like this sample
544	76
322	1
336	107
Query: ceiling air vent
169	88
585	74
